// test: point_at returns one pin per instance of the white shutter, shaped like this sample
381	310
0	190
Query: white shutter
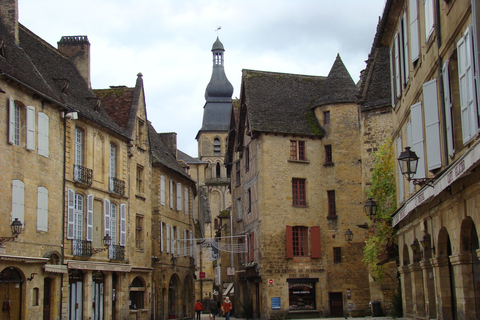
106	217
11	121
448	108
168	238
162	190
18	200
179	196
185	243
161	236
172	239
43	134
466	80
42	209
70	213
30	142
414	39
113	222
179	249
417	138
398	88
405	61
432	125
171	194
392	75
185	199
89	236
123	224
429	19
410	143
400	176
192	245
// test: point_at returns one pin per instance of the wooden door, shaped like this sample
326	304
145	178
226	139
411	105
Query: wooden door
336	304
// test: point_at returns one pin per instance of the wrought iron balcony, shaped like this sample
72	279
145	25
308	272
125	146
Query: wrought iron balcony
116	252
117	186
81	248
82	175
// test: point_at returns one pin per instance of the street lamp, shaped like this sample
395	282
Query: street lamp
349	235
370	208
107	241
408	162
16	228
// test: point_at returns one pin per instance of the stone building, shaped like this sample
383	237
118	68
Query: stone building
294	151
82	172
435	91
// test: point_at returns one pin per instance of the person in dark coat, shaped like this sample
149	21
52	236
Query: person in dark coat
213	308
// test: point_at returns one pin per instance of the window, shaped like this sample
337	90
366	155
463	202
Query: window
299	194
78	217
43	134
162	190
123	224
140	132
14	123
328	154
466	82
137	294
171	197
432	125
414	45
239	209
326	117
298	239
237	173
416	136
216	146
337	255
78	149
112	227
247	158
429	20
448	108
332	211
18	200
404	48
113	162
42	209
30	141
186	199
297	150
249	199
140	183
217	170
179	196
35	297
139	231
251	247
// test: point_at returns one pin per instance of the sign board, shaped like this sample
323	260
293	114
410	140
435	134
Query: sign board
275	303
270	281
202	275
230	271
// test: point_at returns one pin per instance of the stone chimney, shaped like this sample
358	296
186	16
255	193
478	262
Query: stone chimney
77	48
9	17
170	139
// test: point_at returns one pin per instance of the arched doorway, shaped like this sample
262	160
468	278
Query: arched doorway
75	290
407	280
114	296
11	293
469	246
97	295
173	298
137	294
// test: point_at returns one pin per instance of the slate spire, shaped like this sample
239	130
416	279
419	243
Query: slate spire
219	88
338	87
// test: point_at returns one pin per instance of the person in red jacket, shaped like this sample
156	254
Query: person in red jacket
198	309
226	308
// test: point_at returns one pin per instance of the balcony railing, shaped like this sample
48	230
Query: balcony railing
116	252
117	186
81	248
82	175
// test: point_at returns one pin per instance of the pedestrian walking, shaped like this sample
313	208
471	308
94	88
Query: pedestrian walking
198	309
213	308
226	308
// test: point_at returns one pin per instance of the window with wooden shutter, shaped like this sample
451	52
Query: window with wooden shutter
414	38
289	244
448	108
123	224
416	117
78	217
300	241
398	84
13	122
432	125
30	133
42	209
43	134
162	225
167	242
113	222
315	242
404	41
429	19
89	236
162	190
179	196
171	194
70	213
106	217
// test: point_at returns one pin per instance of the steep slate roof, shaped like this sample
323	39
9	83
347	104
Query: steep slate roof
42	68
117	101
188	159
161	154
375	89
281	102
338	87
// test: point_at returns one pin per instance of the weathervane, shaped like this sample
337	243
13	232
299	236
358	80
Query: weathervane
218	28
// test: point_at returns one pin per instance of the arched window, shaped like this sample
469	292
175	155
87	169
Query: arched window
217	170
137	293
216	146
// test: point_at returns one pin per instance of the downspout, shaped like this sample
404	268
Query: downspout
63	210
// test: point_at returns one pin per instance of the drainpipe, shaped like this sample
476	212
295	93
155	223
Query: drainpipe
63	209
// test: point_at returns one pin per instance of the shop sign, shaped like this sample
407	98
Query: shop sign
202	275
275	303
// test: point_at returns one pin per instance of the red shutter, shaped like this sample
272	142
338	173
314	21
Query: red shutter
315	242
289	244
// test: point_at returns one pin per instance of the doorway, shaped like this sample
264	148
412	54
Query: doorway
336	304
47	296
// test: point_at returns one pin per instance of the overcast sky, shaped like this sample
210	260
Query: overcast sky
169	42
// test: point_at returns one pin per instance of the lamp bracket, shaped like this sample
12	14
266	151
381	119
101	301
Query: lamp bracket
423	181
6	239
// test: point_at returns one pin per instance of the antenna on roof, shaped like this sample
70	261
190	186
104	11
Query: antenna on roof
218	28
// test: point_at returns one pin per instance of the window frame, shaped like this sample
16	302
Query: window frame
298	150
299	192
326	117
337	255
331	204
328	154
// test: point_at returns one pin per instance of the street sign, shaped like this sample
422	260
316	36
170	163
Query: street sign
270	282
202	275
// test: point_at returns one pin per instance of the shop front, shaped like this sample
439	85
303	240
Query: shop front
301	294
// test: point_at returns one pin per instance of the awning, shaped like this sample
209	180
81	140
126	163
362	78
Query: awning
55	268
229	288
